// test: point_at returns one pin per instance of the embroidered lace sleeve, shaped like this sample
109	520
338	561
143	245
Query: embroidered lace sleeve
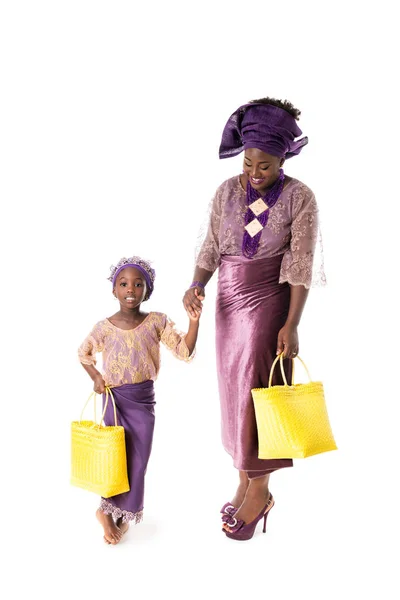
208	256
297	263
174	340
93	344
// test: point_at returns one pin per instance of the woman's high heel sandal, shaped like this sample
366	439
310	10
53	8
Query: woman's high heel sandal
245	531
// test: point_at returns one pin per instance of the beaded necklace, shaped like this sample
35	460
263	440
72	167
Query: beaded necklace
257	214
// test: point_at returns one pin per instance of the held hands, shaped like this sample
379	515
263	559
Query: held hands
99	384
193	302
288	341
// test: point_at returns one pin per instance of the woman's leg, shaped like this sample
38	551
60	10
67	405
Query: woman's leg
256	498
242	489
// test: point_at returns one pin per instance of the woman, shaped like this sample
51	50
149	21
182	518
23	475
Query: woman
261	235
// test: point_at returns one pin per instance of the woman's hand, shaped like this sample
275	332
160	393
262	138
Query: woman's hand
288	341
193	302
99	384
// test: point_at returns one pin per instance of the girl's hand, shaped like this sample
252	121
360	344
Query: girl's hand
193	302
194	317
288	341
99	384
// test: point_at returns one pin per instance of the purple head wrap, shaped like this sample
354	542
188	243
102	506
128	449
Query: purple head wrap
137	263
264	126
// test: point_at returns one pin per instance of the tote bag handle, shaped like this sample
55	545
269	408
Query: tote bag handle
93	395
280	358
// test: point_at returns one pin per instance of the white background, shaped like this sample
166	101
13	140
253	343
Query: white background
111	116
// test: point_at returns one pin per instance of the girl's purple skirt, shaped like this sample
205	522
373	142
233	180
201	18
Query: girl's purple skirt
135	412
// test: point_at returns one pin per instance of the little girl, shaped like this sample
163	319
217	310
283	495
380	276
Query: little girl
130	343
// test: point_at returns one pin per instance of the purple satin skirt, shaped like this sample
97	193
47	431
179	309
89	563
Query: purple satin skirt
135	412
252	306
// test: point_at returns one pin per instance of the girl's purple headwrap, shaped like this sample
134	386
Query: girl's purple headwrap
268	128
138	263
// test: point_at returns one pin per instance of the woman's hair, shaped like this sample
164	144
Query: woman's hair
284	104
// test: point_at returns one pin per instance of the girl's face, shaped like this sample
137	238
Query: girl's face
262	169
130	287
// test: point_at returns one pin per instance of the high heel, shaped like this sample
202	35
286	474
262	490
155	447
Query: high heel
245	531
265	522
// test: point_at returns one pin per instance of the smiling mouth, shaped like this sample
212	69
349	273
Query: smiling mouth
130	299
257	181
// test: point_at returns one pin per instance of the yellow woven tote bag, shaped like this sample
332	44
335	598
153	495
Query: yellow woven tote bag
292	420
98	454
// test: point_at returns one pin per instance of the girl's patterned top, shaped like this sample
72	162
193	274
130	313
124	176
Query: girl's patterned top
133	355
292	230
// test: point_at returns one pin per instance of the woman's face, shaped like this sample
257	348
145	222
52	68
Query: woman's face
262	169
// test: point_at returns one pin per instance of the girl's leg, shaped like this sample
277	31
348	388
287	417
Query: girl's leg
135	411
123	527
112	533
256	498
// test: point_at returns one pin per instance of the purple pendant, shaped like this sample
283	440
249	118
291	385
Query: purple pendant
250	244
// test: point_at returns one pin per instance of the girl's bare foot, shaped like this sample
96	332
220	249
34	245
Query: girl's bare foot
112	533
123	527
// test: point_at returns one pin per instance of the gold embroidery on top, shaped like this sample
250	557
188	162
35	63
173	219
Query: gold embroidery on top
133	356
